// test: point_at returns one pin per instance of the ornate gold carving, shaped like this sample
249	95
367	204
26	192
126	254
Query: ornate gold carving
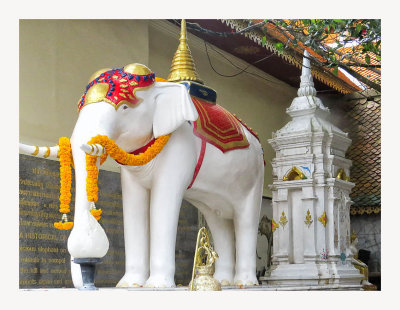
182	67
274	225
308	220
365	210
294	174
283	220
136	68
96	93
203	265
97	74
47	154
36	151
323	219
341	175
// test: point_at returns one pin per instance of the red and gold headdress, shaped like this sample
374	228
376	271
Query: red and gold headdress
117	86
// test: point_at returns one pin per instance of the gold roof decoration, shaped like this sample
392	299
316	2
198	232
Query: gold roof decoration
182	67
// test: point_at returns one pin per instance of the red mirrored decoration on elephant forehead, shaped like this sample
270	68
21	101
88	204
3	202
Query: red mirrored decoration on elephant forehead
117	86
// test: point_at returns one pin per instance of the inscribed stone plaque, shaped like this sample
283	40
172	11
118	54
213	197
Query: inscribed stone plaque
44	260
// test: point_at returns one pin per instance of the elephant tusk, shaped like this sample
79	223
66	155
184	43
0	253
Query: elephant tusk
93	149
39	151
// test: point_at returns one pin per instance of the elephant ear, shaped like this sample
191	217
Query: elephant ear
173	107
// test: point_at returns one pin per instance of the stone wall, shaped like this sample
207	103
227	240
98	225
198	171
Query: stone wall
368	230
44	261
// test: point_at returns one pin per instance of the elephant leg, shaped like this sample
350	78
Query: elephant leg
224	242
164	214
136	231
246	229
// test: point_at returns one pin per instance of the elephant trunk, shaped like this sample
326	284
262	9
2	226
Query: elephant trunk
87	239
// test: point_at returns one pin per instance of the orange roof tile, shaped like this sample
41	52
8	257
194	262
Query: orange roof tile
370	74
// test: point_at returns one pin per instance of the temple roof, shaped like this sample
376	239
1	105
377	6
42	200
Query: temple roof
374	75
365	151
285	65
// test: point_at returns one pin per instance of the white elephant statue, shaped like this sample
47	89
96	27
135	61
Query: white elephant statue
227	188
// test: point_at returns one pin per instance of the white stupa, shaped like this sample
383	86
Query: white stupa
310	197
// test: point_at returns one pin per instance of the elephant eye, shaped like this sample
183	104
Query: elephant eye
124	107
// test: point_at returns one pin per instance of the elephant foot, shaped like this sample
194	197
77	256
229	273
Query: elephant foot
160	282
131	280
224	279
246	280
225	283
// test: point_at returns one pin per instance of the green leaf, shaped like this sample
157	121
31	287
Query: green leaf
264	40
335	70
279	46
367	59
358	28
340	21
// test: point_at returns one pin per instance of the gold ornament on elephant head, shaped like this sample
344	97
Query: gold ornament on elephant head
203	265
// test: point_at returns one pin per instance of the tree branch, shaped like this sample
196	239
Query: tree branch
302	38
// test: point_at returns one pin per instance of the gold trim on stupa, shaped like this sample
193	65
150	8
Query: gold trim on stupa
182	67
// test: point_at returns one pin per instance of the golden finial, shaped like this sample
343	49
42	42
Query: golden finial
182	67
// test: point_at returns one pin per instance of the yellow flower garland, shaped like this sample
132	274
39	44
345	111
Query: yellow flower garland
65	181
96	213
119	155
63	226
92	172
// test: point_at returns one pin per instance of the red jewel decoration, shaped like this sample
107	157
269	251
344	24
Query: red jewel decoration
121	86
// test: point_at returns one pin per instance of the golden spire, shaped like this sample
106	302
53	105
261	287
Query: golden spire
182	67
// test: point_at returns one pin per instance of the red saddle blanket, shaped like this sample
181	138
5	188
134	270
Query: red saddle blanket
219	127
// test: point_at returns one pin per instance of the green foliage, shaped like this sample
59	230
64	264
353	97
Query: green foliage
279	46
264	40
327	37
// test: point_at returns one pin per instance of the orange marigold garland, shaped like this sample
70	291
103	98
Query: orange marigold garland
96	212
65	182
119	155
92	172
